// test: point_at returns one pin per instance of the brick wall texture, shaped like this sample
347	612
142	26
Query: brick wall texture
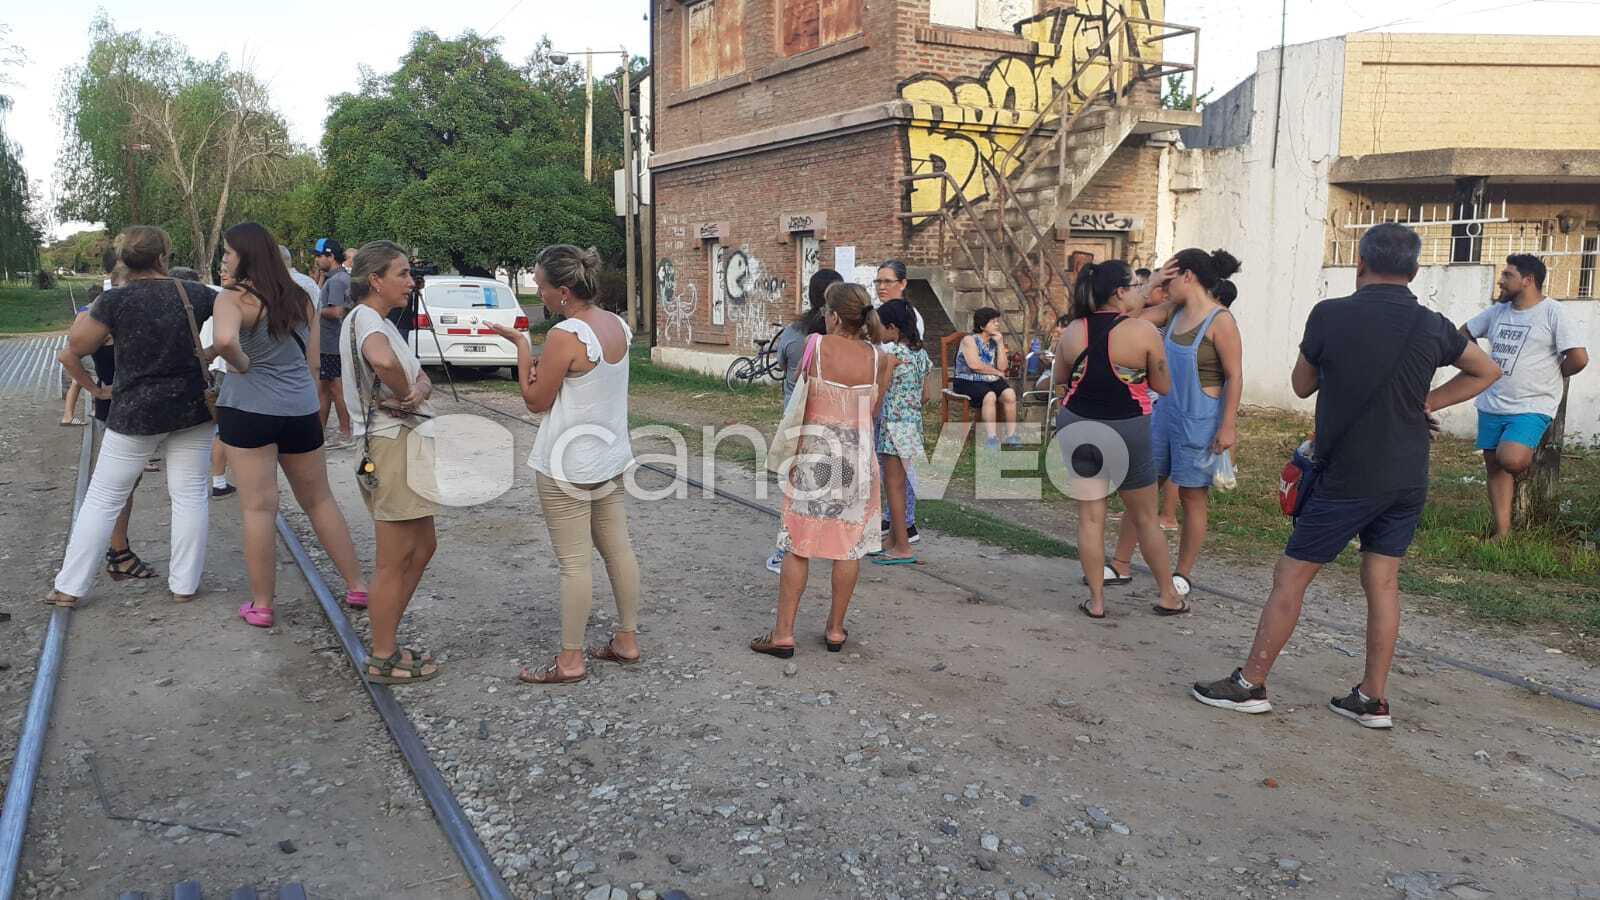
1421	91
852	179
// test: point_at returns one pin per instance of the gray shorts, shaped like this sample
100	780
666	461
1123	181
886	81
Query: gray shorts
1086	460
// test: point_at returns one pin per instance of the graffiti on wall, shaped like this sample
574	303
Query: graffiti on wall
751	299
755	299
1102	221
677	304
956	122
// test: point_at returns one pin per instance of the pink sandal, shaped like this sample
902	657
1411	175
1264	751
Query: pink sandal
356	599
260	618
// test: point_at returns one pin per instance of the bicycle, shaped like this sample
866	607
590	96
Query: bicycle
747	370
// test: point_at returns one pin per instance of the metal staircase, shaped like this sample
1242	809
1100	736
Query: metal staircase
1001	250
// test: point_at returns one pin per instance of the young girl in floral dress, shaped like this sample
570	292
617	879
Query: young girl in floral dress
900	426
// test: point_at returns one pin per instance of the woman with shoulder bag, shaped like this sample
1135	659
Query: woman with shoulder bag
160	403
387	393
267	413
831	504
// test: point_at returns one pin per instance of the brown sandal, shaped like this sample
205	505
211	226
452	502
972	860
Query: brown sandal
550	674
609	653
56	598
765	645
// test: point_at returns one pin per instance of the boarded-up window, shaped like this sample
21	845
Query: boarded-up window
809	24
998	15
715	42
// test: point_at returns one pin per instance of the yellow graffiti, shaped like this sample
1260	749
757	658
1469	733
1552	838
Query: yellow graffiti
957	122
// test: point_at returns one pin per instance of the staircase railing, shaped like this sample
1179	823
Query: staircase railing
974	262
1014	253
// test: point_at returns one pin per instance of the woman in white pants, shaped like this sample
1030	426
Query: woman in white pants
157	404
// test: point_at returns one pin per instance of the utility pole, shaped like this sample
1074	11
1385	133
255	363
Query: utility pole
588	115
628	219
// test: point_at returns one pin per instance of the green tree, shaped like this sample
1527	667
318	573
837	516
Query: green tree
80	252
156	136
20	227
458	155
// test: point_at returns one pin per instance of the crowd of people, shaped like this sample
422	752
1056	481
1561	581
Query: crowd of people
283	343
1147	367
1154	360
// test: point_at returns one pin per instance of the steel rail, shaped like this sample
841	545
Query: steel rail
36	722
452	819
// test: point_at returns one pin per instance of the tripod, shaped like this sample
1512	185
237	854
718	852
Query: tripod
406	324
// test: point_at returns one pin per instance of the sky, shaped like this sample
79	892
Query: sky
307	54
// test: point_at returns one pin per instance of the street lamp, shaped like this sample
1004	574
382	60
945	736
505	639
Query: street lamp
628	180
560	59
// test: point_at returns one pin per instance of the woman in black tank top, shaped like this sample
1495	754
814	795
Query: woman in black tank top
1107	388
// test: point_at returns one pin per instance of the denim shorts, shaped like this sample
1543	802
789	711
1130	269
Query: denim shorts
1176	456
1385	523
1526	429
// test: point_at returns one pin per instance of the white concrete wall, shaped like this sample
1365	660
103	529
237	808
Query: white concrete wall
1272	216
1460	292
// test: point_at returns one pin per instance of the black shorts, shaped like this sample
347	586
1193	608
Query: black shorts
1385	523
248	430
975	391
330	370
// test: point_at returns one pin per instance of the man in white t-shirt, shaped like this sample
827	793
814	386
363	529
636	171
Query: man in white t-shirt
1537	347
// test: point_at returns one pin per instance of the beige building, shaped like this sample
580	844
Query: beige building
1487	144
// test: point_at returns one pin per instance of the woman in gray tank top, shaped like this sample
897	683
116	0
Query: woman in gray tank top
267	414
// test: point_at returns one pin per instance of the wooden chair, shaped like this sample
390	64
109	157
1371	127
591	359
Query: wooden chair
948	348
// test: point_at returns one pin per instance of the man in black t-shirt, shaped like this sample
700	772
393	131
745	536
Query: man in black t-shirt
1370	359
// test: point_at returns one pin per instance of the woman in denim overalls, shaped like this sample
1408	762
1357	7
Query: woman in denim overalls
1198	420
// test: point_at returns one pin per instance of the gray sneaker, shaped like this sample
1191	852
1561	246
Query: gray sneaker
1366	711
1229	693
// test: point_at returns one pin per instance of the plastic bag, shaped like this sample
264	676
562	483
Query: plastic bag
1224	477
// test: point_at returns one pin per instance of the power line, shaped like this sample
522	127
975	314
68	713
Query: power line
509	11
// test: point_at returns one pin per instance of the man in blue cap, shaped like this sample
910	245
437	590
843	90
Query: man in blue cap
332	306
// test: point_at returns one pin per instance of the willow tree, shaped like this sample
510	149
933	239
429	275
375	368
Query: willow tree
20	230
154	135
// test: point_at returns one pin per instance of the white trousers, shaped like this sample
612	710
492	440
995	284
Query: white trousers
122	459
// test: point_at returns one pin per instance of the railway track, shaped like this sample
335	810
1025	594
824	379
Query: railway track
28	371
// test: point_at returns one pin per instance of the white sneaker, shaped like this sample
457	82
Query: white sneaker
775	562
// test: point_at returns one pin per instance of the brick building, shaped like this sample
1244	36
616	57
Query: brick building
796	134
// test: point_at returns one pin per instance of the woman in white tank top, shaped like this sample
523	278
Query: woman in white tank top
580	384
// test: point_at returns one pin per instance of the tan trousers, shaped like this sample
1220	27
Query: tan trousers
582	519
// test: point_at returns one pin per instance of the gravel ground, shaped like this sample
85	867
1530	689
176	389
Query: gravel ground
979	740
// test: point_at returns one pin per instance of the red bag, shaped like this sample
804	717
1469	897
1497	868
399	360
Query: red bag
1297	480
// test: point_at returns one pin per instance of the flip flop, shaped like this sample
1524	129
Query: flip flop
549	675
1084	608
355	599
610	654
1163	611
765	645
1109	578
894	560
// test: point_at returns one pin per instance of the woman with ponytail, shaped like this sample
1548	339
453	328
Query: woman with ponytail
267	413
1109	361
1199	419
831	504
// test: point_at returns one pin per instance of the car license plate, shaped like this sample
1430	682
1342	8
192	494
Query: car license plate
474	348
